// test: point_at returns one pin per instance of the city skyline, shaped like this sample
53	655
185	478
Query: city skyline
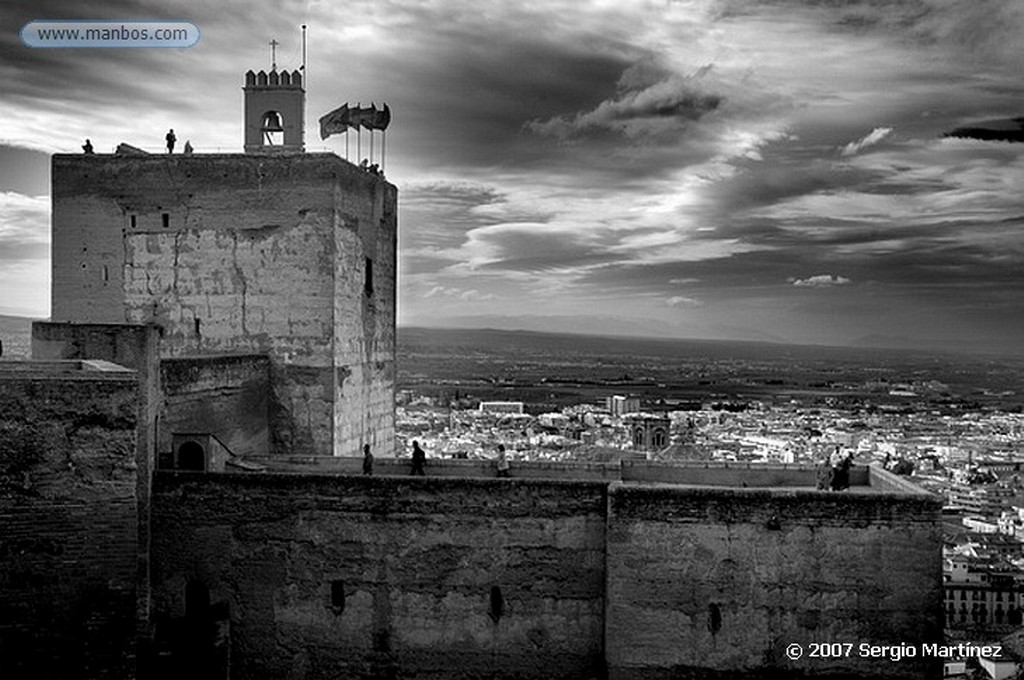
783	171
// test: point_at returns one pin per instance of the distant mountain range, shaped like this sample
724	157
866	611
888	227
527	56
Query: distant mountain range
16	335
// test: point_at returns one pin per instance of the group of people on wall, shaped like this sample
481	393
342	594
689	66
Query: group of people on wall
834	471
419	461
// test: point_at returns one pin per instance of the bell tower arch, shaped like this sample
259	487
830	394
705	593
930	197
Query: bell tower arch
274	112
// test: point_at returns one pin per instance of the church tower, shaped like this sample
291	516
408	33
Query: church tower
275	105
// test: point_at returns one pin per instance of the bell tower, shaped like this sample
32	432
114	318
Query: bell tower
274	112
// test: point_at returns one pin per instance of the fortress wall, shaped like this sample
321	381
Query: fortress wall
136	347
70	539
226	396
365	294
416	558
711	583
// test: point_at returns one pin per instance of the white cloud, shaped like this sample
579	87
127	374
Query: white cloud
451	292
683	301
872	138
821	281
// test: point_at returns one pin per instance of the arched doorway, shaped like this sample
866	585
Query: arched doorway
191	456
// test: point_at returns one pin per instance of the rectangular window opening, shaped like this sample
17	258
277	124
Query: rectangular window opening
166	217
368	277
133	220
338	596
106	273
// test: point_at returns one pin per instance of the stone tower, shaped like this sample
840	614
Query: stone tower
275	105
287	256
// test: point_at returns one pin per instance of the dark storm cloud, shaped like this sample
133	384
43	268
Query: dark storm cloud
84	76
696	157
1006	130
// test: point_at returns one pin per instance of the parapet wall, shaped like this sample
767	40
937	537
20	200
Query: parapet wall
70	565
765	475
707	582
594	579
356	577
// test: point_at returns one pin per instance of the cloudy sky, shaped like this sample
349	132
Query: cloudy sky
773	170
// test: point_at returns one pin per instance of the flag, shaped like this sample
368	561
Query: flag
343	118
368	116
382	118
338	120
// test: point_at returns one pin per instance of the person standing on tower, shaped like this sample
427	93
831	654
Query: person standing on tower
171	139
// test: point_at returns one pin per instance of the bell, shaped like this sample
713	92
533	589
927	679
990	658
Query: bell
272	122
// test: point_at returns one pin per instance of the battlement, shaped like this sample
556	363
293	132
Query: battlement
274	79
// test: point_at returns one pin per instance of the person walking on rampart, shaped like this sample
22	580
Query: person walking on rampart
171	139
419	459
825	474
367	460
503	466
841	470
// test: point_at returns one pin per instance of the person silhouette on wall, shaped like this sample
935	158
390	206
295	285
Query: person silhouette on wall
367	460
503	466
171	139
419	459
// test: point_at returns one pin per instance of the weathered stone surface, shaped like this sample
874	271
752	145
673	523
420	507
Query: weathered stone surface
653	581
228	396
707	581
244	254
417	559
69	524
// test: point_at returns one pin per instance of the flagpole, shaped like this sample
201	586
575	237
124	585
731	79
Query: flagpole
371	146
305	85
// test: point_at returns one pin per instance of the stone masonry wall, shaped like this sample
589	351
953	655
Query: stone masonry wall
244	254
136	347
715	583
228	396
437	578
69	525
365	295
596	579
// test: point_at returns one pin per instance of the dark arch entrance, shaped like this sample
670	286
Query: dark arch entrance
192	456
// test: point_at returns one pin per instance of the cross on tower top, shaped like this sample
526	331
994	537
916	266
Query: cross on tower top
273	54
